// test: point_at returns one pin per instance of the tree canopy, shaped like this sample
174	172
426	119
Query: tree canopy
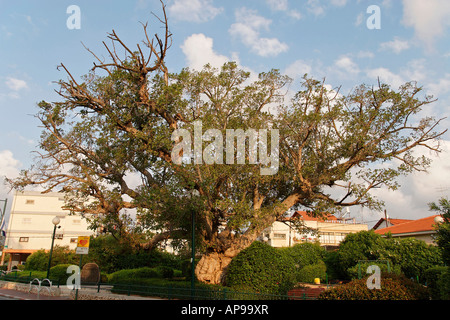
109	146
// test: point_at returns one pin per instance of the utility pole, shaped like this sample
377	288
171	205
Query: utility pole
385	218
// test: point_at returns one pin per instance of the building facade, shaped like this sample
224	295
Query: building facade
329	231
30	226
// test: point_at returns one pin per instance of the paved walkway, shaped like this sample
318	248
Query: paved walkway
20	295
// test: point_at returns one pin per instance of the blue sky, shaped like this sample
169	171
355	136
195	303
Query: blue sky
326	39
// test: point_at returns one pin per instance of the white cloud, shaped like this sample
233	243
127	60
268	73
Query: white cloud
365	54
345	67
9	167
419	188
338	3
15	84
359	19
397	45
199	51
440	87
298	69
278	5
315	7
386	76
248	27
430	18
282	5
194	10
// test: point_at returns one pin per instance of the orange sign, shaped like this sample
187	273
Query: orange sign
82	245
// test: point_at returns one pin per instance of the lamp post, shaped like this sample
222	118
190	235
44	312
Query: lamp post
55	221
193	193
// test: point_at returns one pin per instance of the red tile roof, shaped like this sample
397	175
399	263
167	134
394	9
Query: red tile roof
420	225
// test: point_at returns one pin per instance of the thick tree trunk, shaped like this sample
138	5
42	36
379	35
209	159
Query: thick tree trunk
213	265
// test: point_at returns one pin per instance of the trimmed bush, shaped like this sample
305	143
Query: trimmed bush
59	273
129	274
393	287
261	268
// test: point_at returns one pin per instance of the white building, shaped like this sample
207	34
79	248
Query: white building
30	226
330	230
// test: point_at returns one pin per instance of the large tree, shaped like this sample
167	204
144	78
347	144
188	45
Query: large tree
126	120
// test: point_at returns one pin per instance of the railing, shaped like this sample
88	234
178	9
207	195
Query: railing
199	293
171	291
39	285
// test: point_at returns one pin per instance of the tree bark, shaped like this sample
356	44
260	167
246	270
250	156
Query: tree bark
213	264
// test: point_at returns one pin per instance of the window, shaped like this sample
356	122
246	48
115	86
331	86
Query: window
73	240
279	236
327	237
28	201
59	236
340	237
23	239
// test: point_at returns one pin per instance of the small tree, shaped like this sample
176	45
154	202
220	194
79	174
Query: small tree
443	228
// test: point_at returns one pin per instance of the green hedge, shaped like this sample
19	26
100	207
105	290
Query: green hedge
310	272
360	270
142	273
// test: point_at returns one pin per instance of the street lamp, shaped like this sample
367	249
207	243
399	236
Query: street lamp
55	221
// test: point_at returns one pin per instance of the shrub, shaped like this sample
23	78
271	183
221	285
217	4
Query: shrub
128	274
411	255
393	287
59	273
360	270
444	284
310	272
305	254
165	272
432	278
262	268
61	255
112	255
